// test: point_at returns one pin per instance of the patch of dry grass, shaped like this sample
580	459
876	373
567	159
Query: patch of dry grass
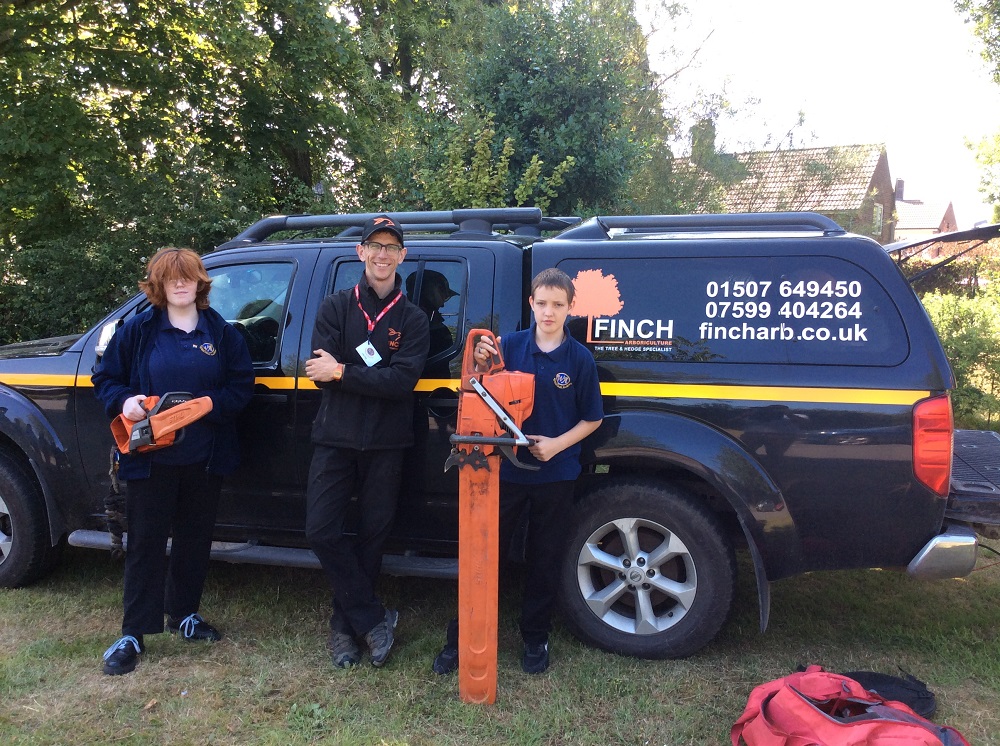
270	680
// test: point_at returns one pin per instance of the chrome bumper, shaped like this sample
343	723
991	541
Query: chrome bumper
950	554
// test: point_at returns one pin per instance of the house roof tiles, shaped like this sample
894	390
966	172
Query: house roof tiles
817	179
919	214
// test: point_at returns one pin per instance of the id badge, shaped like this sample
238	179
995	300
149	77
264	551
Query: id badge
368	353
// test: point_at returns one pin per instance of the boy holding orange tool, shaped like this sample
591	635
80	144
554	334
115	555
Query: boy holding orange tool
567	408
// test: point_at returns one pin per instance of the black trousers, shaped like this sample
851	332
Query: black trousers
548	506
352	564
177	501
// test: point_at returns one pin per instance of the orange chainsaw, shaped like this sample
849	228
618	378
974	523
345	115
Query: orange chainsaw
162	426
492	406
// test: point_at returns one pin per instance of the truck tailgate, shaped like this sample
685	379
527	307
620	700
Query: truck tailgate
975	480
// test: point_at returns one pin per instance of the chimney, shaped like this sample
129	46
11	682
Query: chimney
899	189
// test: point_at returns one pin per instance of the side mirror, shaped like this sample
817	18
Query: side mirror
107	332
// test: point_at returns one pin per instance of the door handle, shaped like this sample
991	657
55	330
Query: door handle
278	398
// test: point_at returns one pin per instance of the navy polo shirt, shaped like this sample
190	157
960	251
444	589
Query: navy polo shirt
567	390
184	361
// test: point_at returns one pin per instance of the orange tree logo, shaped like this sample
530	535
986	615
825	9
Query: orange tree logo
598	300
596	295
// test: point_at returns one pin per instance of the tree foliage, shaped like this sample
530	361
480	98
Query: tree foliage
126	125
129	125
474	175
987	153
969	329
564	92
962	298
571	78
969	276
985	16
414	54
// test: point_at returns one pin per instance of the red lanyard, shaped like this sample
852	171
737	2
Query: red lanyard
384	311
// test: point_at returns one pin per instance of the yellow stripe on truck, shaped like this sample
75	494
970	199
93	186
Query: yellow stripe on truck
816	395
904	397
284	383
33	379
763	393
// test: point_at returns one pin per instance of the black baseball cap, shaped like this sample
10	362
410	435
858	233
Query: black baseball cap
382	223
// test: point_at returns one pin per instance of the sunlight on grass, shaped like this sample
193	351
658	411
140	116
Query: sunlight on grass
270	680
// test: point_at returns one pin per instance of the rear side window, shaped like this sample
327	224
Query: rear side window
252	297
791	309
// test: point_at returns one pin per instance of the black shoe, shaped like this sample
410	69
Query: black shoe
446	661
344	651
193	627
380	638
122	656
535	658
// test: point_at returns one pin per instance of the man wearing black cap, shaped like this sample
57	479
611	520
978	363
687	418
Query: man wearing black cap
369	346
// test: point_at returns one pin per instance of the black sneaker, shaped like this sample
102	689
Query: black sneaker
446	661
535	658
380	638
193	627
122	656
344	651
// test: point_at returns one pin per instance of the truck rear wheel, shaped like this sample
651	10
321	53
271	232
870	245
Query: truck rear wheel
24	536
648	571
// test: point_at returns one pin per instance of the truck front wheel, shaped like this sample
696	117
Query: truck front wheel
648	571
24	536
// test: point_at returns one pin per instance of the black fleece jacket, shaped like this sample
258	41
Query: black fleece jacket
369	408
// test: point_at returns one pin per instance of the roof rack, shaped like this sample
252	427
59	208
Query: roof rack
479	222
600	227
520	229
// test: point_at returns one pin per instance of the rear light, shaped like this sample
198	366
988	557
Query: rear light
933	429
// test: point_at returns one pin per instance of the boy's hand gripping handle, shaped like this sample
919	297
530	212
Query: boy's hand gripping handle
473	367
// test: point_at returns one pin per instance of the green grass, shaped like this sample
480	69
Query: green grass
271	682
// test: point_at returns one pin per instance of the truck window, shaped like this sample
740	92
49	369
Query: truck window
252	298
438	287
813	310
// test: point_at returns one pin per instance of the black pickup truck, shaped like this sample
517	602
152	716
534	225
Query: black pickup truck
771	384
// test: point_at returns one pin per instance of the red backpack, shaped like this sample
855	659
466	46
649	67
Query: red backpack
818	708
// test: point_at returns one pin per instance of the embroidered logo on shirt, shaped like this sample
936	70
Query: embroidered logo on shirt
208	348
562	381
394	338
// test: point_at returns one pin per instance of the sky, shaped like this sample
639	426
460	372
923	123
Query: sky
906	73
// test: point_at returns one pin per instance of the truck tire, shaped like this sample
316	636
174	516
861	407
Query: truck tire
648	571
24	535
